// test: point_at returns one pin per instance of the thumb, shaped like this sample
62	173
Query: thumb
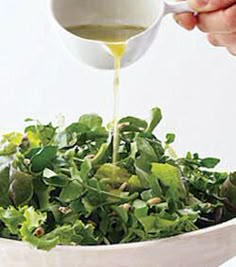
210	5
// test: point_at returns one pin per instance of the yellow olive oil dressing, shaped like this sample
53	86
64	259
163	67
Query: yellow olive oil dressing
115	37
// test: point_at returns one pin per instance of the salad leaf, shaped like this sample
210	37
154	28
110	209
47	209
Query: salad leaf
170	177
92	121
42	159
71	191
132	124
21	187
4	185
170	138
12	218
112	174
155	120
210	162
9	143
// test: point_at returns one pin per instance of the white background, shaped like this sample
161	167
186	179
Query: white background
193	83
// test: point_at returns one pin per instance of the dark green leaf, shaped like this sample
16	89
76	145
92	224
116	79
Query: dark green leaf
132	124
76	128
122	213
228	189
4	186
42	192
43	158
21	187
51	178
146	149
59	181
170	138
210	162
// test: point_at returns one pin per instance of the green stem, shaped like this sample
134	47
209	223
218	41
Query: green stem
100	154
130	198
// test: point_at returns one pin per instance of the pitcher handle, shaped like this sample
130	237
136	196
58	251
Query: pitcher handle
178	7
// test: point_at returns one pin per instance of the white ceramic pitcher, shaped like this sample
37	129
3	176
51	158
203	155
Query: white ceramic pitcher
145	13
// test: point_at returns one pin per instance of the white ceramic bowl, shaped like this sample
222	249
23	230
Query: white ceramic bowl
145	13
204	248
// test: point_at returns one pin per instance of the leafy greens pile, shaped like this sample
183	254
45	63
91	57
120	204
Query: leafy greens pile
58	186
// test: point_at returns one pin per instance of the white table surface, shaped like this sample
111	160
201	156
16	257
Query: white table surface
229	263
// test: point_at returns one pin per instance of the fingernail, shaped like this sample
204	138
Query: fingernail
176	18
179	21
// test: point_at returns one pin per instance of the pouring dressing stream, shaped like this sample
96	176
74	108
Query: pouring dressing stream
115	38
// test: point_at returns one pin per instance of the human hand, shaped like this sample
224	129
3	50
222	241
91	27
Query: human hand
215	17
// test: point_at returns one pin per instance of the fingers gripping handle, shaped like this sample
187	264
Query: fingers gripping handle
177	7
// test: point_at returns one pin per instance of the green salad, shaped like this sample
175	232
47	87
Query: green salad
59	186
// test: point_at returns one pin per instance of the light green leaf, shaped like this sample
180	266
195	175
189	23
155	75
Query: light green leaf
72	191
148	223
85	168
12	218
155	119
34	219
9	143
140	208
92	121
170	176
134	184
112	174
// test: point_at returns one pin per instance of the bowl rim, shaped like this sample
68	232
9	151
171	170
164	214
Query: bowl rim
133	245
